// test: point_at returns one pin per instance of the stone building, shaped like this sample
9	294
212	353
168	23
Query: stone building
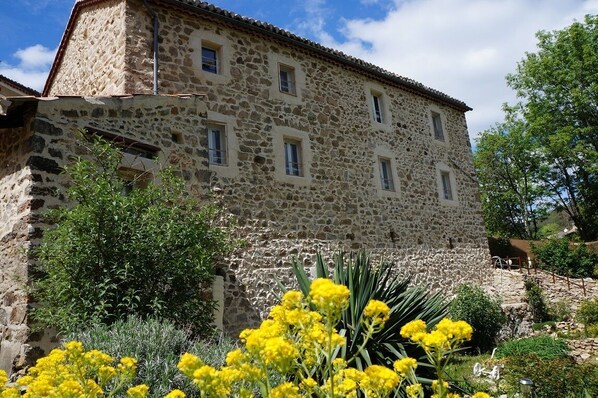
309	148
10	88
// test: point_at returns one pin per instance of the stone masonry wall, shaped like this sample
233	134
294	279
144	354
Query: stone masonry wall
94	57
338	203
15	231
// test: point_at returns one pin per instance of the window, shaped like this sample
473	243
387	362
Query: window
209	59
447	190
217	144
386	180
377	108
292	158
437	125
287	79
133	179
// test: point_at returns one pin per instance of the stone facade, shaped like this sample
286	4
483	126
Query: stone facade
338	202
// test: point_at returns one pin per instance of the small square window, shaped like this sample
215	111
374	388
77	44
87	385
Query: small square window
386	179
286	76
447	189
437	123
292	158
377	108
210	59
217	144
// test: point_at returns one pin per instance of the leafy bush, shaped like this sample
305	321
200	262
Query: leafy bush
366	283
481	311
587	313
559	377
560	311
543	346
551	325
557	255
147	253
536	301
157	345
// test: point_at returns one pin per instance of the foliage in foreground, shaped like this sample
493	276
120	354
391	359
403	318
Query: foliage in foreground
306	348
587	313
157	345
367	282
536	301
296	342
148	253
481	311
558	256
543	346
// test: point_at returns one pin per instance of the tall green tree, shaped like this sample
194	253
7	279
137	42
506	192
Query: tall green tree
508	171
558	91
115	253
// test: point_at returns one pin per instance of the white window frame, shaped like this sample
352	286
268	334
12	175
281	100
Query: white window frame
293	165
383	153
377	108
437	118
444	175
378	104
386	174
290	85
282	135
217	55
200	39
217	156
275	62
231	168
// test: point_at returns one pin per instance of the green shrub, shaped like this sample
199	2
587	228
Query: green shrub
484	313
560	311
536	301
545	347
147	253
559	377
542	325
587	314
367	282
157	345
557	255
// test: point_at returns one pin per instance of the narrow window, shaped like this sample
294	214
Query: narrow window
217	144
377	108
209	59
292	158
287	79
437	122
447	189
386	180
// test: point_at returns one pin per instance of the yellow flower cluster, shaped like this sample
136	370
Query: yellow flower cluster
446	335
304	346
74	372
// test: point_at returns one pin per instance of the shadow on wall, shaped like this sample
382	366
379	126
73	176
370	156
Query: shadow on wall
504	247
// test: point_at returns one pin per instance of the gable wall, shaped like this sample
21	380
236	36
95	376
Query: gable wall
94	58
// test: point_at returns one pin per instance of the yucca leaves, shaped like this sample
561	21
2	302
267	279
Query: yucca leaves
367	282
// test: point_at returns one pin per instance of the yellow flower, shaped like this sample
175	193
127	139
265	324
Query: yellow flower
328	297
127	366
308	384
188	364
11	392
74	347
404	365
480	395
175	394
376	311
380	380
278	352
413	328
3	378
292	299
285	390
235	357
435	340
106	374
414	390
139	391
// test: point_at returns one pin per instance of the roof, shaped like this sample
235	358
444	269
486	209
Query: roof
18	86
214	12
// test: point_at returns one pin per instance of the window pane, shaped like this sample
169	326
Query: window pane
216	146
386	175
287	79
377	108
209	60
292	162
446	186
437	121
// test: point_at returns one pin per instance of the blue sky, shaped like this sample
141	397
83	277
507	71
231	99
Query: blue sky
461	47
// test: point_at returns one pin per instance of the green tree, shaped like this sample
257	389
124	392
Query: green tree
148	252
558	91
508	172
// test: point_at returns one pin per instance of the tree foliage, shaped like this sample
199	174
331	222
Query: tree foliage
558	110
147	253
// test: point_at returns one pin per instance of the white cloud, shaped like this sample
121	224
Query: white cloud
461	47
32	68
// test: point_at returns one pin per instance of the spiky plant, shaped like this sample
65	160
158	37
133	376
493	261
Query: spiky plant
379	282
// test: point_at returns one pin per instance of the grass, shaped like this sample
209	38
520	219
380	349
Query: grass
545	347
